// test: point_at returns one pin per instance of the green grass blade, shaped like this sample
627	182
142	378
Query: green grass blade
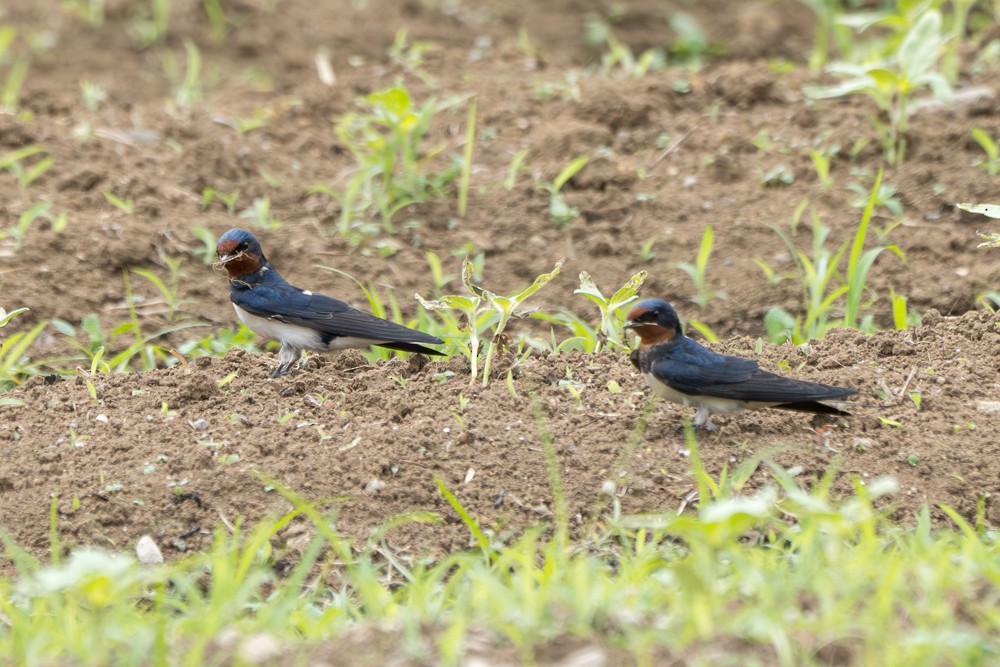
463	514
470	144
855	280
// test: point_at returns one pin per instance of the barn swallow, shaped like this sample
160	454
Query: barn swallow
681	370
297	318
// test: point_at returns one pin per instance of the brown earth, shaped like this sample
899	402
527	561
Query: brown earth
671	152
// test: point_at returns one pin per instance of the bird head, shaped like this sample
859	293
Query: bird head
654	320
239	253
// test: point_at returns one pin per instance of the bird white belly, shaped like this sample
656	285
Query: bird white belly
298	337
710	403
291	335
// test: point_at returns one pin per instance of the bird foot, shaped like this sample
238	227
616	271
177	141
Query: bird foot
279	371
707	427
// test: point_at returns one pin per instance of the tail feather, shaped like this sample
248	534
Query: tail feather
814	406
411	347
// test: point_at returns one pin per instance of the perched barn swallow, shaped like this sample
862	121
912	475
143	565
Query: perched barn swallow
297	318
683	371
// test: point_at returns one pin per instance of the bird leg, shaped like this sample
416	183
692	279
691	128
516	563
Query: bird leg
702	419
287	356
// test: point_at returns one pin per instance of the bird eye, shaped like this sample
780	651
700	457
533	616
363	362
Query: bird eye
241	247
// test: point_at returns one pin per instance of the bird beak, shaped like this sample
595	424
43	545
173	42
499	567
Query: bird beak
226	258
630	324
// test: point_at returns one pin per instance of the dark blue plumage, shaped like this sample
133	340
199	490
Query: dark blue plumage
299	319
681	370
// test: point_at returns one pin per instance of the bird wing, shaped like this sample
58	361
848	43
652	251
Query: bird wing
688	367
692	369
324	314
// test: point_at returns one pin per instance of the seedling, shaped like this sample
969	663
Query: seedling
823	290
646	252
611	321
902	316
780	175
438	276
13	348
561	213
567	89
92	95
207	249
821	163
169	289
209	195
989	300
216	19
38	210
691	44
698	272
259	118
410	56
860	261
90	11
10	91
144	349
585	337
891	82
992	162
483	309
227	379
6	317
573	386
762	141
150	29
259	214
884	195
443	377
392	172
704	330
28	164
956	36
619	57
510	386
773	277
14	364
126	206
470	143
514	168
187	85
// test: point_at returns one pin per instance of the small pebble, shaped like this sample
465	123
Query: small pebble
259	649
374	486
148	552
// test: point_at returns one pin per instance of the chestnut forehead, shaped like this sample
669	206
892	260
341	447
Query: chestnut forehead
637	312
227	246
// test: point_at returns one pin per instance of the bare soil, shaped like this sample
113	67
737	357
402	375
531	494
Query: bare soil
172	453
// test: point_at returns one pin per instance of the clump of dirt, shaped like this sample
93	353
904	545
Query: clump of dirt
171	453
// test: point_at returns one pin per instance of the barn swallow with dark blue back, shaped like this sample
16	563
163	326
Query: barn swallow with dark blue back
297	318
683	371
